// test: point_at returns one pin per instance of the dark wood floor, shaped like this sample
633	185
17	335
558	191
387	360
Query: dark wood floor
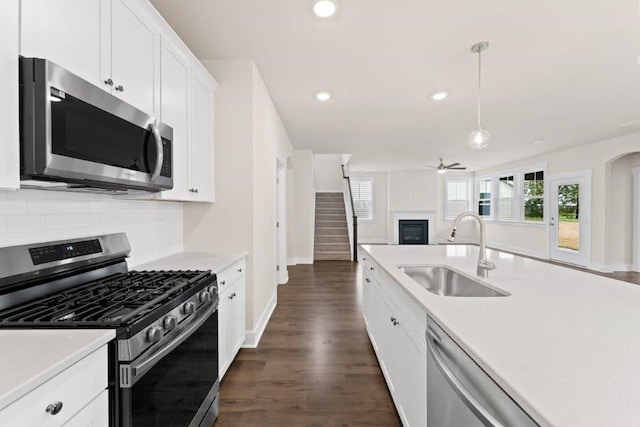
314	365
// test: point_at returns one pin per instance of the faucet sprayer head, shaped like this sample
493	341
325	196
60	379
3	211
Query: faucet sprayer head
452	235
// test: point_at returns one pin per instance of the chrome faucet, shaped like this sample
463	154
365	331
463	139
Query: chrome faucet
484	265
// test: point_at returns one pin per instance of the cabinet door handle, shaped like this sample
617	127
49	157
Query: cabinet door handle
120	88
371	268
108	82
234	294
223	282
231	296
54	408
393	319
367	280
396	323
239	270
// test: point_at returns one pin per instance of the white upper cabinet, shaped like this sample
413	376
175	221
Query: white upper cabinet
68	33
201	167
9	135
134	54
174	111
111	43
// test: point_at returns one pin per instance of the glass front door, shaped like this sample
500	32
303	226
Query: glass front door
569	220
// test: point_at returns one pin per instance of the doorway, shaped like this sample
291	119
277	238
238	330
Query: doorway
636	218
570	218
281	221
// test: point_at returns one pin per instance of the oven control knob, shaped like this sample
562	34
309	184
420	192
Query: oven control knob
188	308
154	334
169	323
204	296
212	290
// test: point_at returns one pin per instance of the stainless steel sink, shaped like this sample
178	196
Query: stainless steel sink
446	282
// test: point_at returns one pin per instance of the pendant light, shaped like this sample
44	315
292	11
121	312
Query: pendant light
479	138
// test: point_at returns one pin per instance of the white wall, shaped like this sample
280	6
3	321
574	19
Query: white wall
305	204
375	231
412	190
328	173
154	228
249	138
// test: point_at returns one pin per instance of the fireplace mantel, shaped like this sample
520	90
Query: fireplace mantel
398	215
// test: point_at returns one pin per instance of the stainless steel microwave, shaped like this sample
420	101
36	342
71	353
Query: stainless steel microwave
76	136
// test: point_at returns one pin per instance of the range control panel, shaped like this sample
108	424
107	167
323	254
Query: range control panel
50	253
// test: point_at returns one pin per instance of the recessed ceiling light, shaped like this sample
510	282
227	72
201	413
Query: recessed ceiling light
323	95
537	142
325	8
439	95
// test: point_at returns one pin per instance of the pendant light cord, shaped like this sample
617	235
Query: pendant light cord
479	83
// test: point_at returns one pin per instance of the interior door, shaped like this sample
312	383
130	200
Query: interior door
569	220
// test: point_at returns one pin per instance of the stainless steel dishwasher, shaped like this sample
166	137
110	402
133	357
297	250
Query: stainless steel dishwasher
460	393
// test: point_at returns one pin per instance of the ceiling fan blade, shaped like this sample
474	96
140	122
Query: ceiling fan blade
452	165
432	167
457	168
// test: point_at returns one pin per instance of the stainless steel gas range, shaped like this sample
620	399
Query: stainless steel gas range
164	361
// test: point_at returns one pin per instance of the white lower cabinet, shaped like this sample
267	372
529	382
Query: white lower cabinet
76	397
402	354
231	312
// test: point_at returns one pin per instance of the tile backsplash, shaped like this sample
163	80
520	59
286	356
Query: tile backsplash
154	228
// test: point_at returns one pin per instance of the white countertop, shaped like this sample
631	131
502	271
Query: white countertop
193	261
565	344
28	358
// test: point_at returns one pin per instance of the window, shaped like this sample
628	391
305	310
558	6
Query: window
484	198
362	191
534	196
456	197
505	198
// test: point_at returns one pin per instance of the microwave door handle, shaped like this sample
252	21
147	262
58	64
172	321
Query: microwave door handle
159	152
144	366
472	403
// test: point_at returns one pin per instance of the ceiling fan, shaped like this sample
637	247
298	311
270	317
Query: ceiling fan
441	168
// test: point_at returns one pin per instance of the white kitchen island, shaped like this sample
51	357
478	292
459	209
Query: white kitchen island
564	344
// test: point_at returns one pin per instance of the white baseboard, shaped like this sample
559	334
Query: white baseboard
620	267
304	260
252	338
291	261
284	279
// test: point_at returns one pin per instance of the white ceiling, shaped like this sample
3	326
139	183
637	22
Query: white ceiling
566	72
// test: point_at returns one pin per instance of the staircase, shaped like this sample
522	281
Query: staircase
331	235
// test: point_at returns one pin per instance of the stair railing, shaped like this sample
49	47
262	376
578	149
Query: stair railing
354	235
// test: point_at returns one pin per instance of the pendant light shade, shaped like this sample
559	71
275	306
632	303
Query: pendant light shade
479	138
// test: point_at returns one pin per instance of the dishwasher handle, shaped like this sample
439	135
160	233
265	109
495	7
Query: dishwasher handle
472	403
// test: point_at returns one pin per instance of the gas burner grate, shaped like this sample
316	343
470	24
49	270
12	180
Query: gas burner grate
113	301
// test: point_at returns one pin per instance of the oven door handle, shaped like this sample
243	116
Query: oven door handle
159	152
141	368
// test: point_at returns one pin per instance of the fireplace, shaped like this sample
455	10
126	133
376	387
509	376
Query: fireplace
413	232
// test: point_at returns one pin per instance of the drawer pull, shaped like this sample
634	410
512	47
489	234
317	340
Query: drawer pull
371	268
223	283
367	280
239	270
54	408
